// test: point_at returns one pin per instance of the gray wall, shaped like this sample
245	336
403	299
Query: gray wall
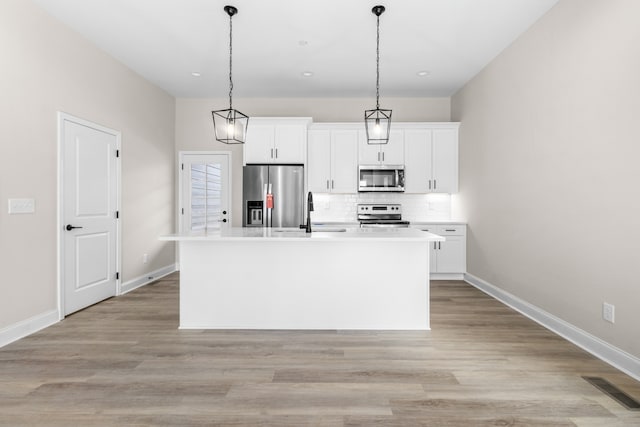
549	174
194	128
46	68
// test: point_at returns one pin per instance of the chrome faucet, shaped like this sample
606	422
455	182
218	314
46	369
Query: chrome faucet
309	210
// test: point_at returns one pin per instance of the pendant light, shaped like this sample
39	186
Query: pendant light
230	126
377	122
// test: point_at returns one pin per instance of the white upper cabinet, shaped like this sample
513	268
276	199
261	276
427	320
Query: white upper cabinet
445	160
332	161
391	153
417	167
431	158
276	140
258	147
319	161
344	161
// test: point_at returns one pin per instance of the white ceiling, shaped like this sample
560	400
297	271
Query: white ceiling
275	41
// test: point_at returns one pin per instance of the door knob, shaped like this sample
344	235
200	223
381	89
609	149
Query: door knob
70	227
223	220
224	212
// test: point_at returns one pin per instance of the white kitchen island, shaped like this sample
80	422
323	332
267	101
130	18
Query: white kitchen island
261	278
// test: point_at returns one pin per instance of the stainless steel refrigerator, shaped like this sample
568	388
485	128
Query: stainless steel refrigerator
273	196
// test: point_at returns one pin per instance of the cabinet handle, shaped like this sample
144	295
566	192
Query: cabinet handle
383	156
327	184
332	186
434	184
429	184
378	156
439	247
272	153
276	153
450	229
435	246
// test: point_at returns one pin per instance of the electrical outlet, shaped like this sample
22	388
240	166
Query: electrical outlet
145	258
609	312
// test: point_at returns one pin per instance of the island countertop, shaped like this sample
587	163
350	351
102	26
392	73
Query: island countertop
285	278
256	234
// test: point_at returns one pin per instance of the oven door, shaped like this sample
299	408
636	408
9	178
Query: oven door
381	178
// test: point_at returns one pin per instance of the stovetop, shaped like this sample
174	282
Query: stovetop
381	215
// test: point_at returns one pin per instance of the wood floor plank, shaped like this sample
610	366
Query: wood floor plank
124	362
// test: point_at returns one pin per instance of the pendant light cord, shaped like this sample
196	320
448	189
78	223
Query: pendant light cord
378	63
230	61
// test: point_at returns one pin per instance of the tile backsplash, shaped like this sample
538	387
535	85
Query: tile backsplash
415	207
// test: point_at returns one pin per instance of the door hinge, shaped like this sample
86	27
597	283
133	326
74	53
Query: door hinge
118	276
117	153
117	214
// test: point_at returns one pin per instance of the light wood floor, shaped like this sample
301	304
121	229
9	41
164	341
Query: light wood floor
124	362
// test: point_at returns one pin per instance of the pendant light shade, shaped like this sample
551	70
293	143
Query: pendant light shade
377	122
229	125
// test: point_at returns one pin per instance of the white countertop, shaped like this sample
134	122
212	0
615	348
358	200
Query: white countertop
411	223
297	235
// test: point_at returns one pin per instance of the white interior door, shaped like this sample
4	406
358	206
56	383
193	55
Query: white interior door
89	155
205	191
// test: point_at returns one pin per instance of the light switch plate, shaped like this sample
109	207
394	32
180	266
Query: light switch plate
22	206
609	312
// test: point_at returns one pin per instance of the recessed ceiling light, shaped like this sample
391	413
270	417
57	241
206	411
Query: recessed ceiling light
307	73
424	73
196	74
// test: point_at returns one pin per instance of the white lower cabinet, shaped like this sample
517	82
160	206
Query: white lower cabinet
448	259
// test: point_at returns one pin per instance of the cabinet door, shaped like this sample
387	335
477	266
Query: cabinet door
290	142
433	257
445	161
319	161
344	161
393	151
259	145
368	154
417	165
451	255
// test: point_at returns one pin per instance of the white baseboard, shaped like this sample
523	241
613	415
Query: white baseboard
145	279
26	327
446	276
604	351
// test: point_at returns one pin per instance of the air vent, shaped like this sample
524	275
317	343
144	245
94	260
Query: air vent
614	392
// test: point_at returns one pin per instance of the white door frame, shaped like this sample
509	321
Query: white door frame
179	206
62	117
181	155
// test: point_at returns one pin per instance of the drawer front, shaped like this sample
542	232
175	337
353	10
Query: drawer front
450	230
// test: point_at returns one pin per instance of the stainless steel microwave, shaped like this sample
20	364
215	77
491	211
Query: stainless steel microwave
381	178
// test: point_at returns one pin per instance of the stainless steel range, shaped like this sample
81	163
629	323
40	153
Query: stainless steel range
381	215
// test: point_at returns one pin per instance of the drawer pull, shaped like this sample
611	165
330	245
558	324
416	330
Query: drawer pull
450	229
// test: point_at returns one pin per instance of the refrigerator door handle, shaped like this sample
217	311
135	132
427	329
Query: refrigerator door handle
267	211
270	209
